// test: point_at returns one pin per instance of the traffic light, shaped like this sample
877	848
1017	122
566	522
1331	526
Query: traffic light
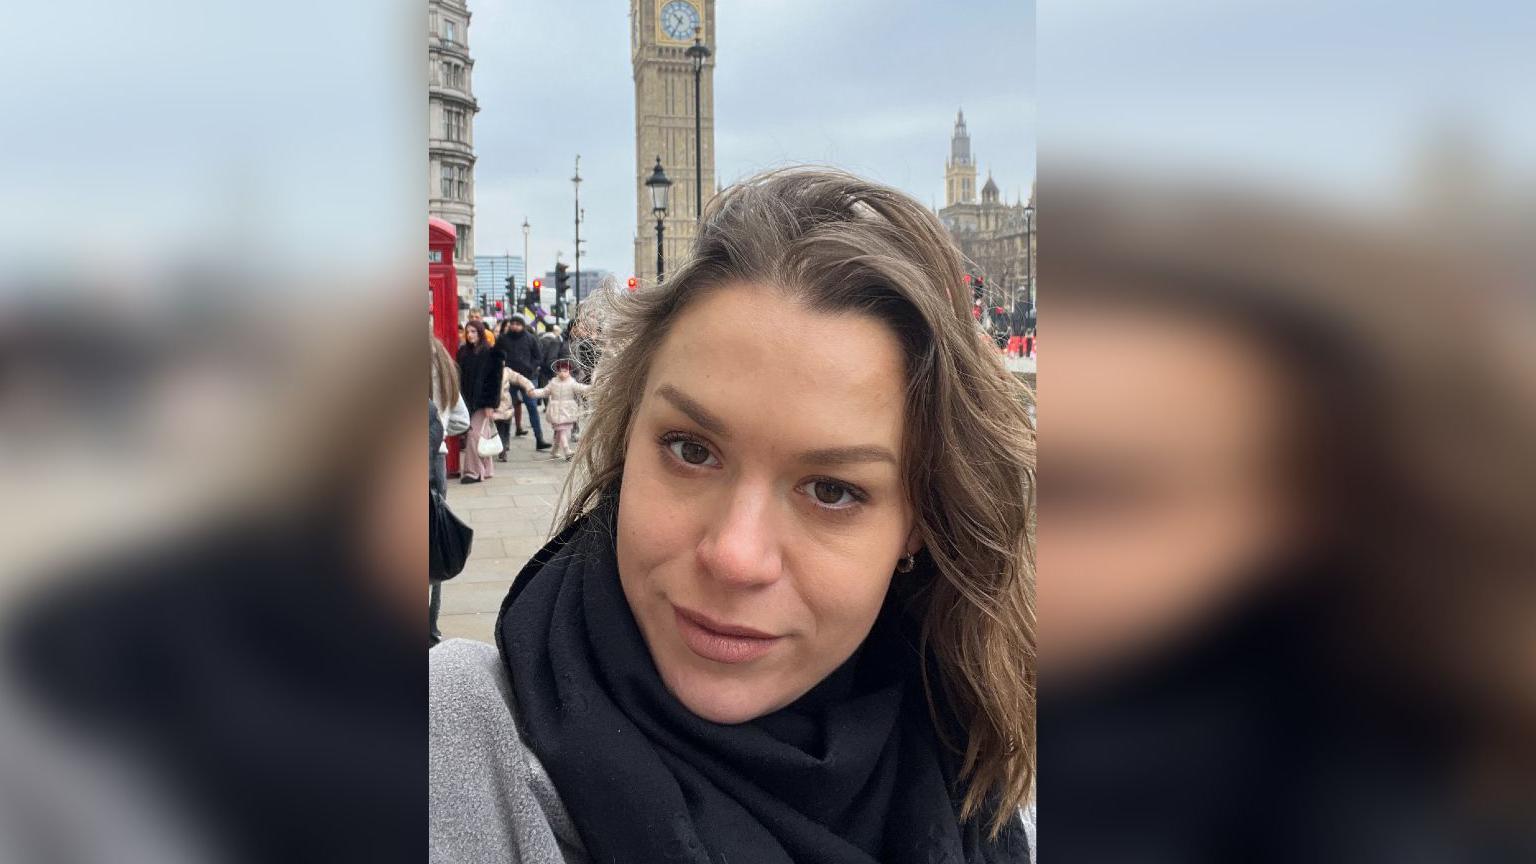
562	282
499	307
633	283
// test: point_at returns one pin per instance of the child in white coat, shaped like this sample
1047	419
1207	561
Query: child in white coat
564	405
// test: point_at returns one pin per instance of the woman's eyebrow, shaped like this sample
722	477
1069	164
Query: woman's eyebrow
848	455
821	456
694	410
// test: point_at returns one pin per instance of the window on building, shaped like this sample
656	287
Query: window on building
453	122
447	181
451	32
461	245
461	182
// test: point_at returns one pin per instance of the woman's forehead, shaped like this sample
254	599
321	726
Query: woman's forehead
770	361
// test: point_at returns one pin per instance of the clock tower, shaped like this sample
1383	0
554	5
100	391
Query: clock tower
661	32
960	170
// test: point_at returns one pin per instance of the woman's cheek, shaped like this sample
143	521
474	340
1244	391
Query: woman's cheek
654	521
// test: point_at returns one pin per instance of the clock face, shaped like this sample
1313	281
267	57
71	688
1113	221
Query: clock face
679	20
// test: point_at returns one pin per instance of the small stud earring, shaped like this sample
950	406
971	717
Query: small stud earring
906	564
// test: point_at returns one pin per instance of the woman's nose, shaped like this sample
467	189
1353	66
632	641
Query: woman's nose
741	546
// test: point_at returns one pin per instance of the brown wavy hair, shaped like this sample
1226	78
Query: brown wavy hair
843	244
445	374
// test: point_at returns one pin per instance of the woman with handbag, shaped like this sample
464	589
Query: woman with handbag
480	383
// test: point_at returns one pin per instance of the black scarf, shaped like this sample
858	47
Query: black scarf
851	772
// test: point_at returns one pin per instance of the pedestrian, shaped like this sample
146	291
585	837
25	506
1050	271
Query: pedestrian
448	416
563	393
521	352
551	349
480	383
513	386
786	629
452	409
584	352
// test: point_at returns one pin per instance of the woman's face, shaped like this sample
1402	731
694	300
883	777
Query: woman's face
762	510
471	335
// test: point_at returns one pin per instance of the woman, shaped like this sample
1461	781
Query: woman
480	383
451	416
797	629
452	411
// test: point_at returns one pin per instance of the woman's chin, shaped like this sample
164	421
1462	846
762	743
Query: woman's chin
722	699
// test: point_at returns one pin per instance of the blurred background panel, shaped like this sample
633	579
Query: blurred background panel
212	252
1288	461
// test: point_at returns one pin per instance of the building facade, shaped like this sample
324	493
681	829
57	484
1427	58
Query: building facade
661	31
451	111
996	237
491	272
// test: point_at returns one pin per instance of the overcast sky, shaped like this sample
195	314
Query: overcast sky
867	85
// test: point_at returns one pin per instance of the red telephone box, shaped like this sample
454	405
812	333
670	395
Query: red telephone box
443	283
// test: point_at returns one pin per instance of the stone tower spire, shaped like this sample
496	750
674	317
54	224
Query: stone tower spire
990	191
960	170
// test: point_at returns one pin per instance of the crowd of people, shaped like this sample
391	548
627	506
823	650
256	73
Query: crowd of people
484	390
511	374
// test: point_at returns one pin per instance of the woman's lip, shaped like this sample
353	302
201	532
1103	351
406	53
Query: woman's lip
721	627
711	644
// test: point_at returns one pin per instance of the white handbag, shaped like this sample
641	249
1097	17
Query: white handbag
489	445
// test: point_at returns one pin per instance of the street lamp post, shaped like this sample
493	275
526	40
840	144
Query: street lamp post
659	186
576	181
527	267
698	53
1029	255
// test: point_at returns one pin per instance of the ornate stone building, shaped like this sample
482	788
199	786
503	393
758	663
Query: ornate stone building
451	111
661	32
997	237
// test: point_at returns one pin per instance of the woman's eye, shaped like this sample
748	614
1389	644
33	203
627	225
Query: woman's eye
691	452
832	495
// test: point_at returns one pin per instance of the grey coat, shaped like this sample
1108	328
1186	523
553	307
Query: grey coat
490	799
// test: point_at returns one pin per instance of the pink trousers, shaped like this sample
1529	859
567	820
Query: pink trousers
474	464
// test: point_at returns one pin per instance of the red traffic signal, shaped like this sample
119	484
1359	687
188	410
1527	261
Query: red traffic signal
498	305
538	283
633	283
967	278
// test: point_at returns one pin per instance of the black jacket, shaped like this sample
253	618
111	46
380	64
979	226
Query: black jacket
480	378
551	348
521	352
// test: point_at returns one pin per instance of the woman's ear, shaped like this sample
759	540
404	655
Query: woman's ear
914	541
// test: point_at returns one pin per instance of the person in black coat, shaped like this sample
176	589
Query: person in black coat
480	383
520	351
552	349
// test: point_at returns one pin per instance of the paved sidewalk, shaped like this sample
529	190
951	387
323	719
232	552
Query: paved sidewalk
512	514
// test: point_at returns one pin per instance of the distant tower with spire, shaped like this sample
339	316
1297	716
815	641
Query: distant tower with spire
996	238
960	170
